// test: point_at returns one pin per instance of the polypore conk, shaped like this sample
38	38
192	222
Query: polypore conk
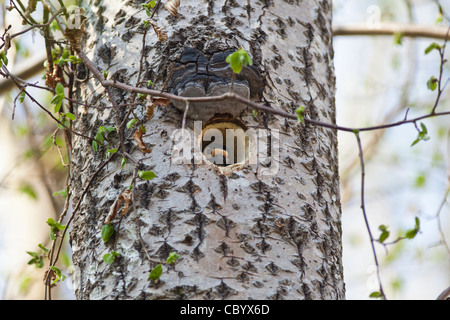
200	75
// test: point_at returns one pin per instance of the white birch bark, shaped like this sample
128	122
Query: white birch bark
241	235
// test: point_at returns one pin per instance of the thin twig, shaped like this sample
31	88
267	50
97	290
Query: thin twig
363	208
441	70
44	25
438	214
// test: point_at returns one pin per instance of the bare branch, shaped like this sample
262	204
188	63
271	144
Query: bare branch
407	30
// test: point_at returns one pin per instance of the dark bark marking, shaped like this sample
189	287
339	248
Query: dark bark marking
164	250
210	7
273	268
224	249
191	189
224	291
120	17
243	277
224	186
233	262
226	224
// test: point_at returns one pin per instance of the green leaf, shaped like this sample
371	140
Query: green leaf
44	248
431	47
141	96
59	89
99	137
51	222
22	96
58	274
398	38
131	123
156	273
432	83
384	233
37	260
54	227
69	115
28	190
146	175
64	123
410	234
420	181
105	130
65	54
109	152
376	294
107	232
110	257
173	256
150	4
74	59
423	135
59	226
54	26
238	60
123	162
3	58
440	14
57	101
33	254
300	111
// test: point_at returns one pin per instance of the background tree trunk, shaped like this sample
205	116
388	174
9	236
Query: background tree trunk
240	235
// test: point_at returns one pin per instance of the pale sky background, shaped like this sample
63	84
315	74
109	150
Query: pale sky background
371	74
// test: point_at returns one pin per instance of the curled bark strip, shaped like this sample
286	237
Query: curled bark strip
125	199
150	111
161	102
138	138
172	7
160	31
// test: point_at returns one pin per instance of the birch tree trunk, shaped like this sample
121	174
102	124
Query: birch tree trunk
240	234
